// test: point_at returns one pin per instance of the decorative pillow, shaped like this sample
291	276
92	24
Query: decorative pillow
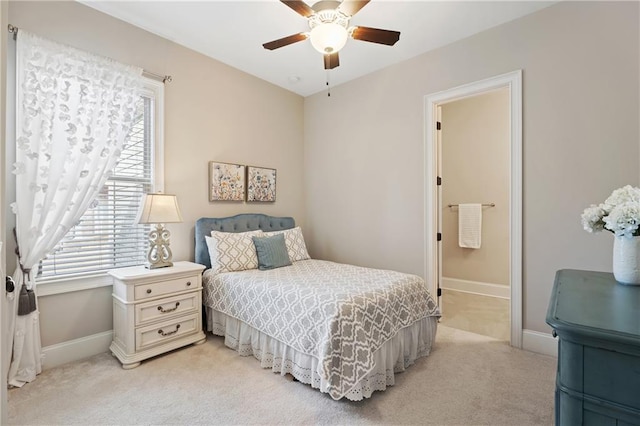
272	252
230	251
295	243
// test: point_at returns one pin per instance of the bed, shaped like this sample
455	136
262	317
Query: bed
342	329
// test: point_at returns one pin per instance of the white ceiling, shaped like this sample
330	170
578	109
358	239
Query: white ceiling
233	32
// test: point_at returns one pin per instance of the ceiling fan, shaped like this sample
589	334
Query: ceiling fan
329	28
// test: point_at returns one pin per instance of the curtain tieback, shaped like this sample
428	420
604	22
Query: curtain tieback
27	298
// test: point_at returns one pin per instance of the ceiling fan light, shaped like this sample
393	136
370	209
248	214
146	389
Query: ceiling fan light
328	37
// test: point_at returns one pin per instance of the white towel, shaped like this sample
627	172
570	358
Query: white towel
470	225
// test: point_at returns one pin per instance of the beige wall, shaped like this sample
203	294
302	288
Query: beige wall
580	60
67	316
212	112
475	169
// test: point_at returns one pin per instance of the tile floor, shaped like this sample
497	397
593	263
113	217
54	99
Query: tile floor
484	315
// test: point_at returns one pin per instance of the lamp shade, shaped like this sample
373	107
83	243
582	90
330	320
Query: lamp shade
328	37
159	208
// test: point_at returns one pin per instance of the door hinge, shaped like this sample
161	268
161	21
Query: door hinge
438	181
439	236
439	292
438	125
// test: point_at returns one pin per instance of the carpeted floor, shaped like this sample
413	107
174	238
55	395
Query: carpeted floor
467	380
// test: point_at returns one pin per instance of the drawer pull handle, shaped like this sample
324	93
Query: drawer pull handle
164	311
148	291
553	333
169	333
188	283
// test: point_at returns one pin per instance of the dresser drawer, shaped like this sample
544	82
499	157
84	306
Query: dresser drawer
147	291
149	312
612	376
164	332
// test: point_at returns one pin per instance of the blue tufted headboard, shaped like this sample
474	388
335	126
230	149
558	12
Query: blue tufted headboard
238	223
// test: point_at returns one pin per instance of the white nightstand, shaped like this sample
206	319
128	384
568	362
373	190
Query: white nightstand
155	310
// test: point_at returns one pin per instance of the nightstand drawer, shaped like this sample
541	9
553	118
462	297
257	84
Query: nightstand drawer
147	291
149	312
166	331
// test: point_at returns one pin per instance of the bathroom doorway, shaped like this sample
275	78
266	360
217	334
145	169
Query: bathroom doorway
473	141
473	155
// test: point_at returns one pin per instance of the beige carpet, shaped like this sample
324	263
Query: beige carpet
467	380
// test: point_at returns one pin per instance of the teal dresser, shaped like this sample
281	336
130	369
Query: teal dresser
597	322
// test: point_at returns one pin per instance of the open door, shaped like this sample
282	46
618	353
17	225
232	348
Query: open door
439	206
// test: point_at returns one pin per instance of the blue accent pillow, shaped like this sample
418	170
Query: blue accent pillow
272	252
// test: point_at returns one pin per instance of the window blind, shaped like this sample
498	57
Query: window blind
106	236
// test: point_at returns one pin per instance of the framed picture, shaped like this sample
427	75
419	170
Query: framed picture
226	182
261	184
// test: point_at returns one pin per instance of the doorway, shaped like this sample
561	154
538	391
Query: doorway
473	141
510	280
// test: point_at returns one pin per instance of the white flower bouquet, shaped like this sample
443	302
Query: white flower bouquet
620	213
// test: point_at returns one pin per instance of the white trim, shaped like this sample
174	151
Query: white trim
542	343
75	350
68	285
513	81
476	287
154	89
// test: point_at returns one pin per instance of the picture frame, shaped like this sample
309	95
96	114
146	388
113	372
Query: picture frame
261	184
227	181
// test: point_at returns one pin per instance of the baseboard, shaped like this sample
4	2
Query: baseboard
77	349
476	287
542	343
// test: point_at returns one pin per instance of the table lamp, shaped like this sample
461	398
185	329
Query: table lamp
159	209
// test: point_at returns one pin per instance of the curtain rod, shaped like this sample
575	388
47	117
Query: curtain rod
163	78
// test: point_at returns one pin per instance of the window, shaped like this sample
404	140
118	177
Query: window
106	236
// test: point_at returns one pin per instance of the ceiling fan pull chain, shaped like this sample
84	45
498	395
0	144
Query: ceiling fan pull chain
328	86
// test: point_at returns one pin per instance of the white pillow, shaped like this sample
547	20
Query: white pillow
294	241
231	251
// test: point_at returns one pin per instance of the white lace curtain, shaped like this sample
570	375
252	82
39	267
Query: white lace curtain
73	114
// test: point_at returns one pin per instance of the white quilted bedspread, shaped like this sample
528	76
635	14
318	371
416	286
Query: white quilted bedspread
340	314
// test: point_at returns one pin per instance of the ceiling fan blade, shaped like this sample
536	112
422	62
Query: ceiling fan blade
350	8
285	41
300	7
331	61
376	35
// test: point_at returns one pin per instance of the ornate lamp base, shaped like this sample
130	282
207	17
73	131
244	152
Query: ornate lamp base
159	252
